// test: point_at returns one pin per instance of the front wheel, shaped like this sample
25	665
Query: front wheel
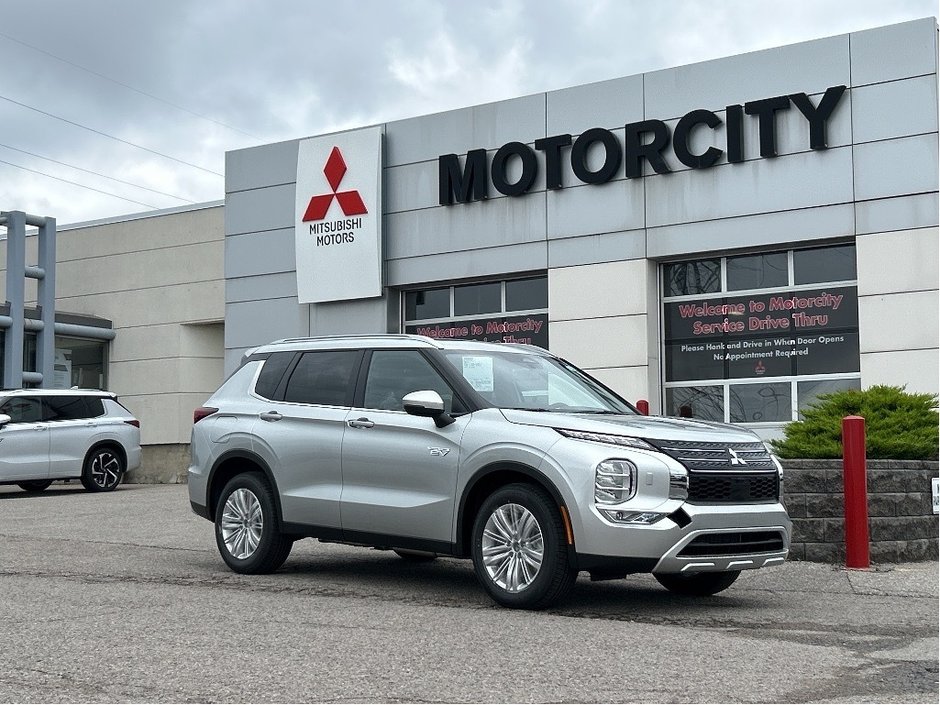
520	552
103	470
697	584
34	485
246	526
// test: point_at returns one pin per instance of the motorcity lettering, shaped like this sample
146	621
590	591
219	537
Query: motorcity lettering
644	141
336	232
529	325
797	319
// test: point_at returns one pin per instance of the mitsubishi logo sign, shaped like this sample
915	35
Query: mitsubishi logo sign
735	459
349	201
338	216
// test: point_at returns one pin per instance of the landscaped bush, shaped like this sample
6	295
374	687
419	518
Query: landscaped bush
898	425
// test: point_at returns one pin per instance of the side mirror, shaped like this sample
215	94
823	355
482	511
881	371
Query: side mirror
427	403
4	420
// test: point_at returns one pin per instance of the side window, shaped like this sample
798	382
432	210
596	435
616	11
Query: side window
325	378
94	407
66	408
271	372
395	373
22	409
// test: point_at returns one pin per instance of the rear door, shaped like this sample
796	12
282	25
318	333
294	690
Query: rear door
300	433
24	442
72	423
399	470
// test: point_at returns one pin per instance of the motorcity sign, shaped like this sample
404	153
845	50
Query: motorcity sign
644	141
531	329
338	217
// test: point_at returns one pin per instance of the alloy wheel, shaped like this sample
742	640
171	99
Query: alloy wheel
242	523
513	548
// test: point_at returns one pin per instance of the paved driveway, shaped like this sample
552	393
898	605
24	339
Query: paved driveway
123	597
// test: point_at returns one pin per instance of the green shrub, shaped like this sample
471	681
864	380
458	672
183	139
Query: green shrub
898	425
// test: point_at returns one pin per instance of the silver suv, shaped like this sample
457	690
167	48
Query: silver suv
501	453
62	434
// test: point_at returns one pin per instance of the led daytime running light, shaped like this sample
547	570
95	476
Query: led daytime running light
608	438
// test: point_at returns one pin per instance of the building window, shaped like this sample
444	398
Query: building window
756	338
78	362
509	311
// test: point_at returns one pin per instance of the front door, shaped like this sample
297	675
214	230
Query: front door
24	442
400	471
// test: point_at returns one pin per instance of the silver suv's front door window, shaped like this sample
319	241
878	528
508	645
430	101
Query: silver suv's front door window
400	471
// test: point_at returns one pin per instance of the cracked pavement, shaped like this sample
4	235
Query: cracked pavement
122	597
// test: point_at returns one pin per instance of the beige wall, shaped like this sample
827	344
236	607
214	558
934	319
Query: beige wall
159	278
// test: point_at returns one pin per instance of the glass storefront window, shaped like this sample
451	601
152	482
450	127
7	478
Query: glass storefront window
429	303
824	264
477	298
808	392
706	403
757	271
688	278
78	362
759	403
527	294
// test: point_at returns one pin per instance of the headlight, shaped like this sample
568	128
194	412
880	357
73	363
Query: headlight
614	481
608	438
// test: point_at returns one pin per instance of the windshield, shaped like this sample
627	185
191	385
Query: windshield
513	380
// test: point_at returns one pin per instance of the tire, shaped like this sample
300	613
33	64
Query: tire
34	485
520	553
415	556
103	470
697	584
247	530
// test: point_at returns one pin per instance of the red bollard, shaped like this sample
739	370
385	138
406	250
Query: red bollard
643	407
856	492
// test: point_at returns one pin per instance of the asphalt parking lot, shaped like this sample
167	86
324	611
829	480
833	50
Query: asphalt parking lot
122	597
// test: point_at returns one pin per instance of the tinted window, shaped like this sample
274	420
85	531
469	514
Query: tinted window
395	373
696	403
66	408
685	278
757	271
527	294
809	392
22	409
323	378
431	303
95	406
753	403
477	298
271	373
825	264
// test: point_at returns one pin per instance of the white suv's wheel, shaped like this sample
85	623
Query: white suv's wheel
246	526
519	548
104	469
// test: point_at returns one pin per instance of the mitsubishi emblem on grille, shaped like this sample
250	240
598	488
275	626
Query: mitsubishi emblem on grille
735	460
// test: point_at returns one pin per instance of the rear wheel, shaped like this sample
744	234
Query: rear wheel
697	584
520	552
34	485
246	526
104	469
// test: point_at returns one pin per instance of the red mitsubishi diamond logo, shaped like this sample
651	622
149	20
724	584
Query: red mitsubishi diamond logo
349	201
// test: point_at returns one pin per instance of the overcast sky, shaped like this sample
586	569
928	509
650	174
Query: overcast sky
189	80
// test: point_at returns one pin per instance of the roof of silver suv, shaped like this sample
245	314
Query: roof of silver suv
57	392
390	340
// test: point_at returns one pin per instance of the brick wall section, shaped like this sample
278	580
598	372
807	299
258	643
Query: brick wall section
901	523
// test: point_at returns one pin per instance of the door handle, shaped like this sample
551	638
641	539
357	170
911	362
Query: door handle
270	416
360	423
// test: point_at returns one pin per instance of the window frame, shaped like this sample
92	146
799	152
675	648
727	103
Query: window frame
502	313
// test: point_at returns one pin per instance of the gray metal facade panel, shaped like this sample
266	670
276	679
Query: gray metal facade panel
809	67
252	254
895	109
898	51
249	323
486	262
265	286
457	131
594	249
349	317
607	104
466	226
410	187
896	167
765	185
765	230
589	209
267	208
902	213
257	167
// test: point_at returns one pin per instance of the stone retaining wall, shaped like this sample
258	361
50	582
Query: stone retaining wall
901	523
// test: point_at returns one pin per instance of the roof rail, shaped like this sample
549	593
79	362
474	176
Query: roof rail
355	336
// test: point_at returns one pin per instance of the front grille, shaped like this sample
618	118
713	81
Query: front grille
733	543
733	488
712	457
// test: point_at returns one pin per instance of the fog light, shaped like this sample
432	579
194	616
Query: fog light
622	517
614	481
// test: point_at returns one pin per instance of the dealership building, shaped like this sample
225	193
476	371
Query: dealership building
727	240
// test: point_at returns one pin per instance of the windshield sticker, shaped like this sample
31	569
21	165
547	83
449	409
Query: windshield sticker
478	371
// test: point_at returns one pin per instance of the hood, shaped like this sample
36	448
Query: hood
654	427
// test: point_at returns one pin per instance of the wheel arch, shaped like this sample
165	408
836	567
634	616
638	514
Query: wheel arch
106	443
230	464
487	480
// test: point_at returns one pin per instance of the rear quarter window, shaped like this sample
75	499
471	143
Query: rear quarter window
271	372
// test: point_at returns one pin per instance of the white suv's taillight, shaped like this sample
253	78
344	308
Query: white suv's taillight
614	481
202	412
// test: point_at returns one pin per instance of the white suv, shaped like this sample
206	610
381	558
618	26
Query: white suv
60	434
